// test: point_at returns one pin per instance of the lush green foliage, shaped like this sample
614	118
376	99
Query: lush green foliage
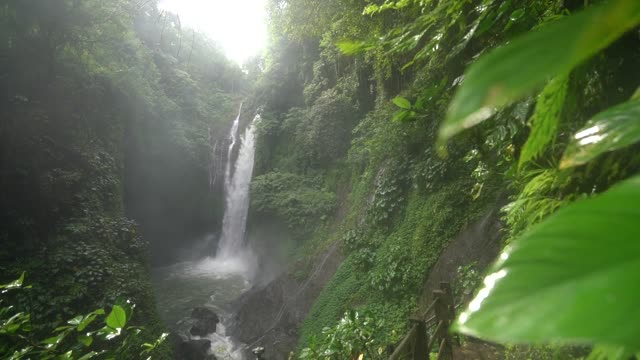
388	260
356	335
539	274
298	200
496	80
467	281
92	336
545	120
404	73
547	352
404	202
560	267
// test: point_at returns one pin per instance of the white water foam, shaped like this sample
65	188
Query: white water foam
231	243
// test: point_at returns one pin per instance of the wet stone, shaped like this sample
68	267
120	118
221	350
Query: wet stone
196	350
206	321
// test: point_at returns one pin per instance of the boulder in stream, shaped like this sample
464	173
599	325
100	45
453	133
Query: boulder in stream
206	321
196	350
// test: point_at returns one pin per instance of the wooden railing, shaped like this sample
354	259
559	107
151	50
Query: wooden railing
430	331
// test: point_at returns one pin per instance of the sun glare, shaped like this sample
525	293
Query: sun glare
239	26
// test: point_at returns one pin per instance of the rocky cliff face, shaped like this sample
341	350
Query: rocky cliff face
478	244
271	316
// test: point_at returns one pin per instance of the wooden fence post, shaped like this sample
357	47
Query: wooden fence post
420	351
448	296
443	315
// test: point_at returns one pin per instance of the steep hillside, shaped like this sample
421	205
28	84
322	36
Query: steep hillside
349	159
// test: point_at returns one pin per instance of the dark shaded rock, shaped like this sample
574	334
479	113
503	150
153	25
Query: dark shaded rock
195	350
478	243
206	321
262	320
176	339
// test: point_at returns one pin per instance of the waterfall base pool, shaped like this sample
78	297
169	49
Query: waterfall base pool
209	282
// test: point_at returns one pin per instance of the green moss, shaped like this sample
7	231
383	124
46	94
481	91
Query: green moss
299	201
336	297
390	287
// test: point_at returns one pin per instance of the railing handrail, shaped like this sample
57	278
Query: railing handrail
443	343
400	348
444	309
429	308
433	339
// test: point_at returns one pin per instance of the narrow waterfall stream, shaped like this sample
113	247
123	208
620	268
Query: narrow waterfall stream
231	243
215	281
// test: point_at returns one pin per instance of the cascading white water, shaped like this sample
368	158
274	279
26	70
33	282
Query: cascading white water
233	137
234	221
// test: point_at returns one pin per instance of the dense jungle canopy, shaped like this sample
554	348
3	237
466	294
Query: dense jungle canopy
491	144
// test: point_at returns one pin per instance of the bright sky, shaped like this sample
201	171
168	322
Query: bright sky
239	26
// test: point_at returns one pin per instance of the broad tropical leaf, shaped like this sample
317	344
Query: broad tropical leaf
511	72
609	130
573	278
117	319
85	340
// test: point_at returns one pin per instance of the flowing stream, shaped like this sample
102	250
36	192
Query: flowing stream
215	281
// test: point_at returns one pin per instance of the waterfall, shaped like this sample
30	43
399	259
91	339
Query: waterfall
216	280
237	183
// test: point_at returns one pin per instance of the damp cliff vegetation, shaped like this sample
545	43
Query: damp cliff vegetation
108	113
390	126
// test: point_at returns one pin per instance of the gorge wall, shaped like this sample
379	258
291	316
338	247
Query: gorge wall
347	161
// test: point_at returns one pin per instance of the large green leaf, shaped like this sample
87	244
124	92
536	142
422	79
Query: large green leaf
85	340
573	278
14	284
513	71
609	130
117	319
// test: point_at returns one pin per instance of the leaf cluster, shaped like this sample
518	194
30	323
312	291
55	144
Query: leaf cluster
96	335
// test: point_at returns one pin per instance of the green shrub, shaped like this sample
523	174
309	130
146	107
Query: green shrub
298	200
357	333
96	335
